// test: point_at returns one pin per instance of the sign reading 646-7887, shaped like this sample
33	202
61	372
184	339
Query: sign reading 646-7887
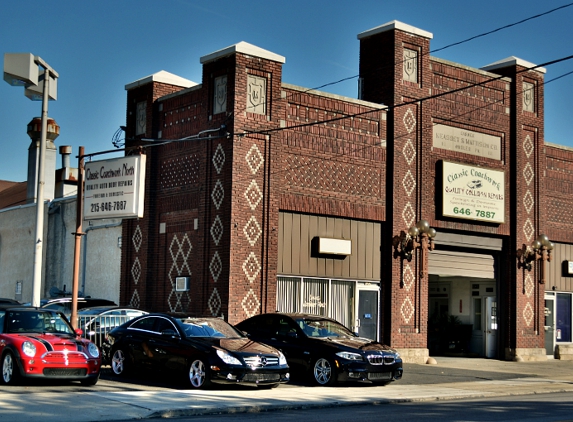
474	193
114	188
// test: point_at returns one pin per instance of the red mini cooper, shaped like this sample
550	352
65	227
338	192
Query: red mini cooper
41	343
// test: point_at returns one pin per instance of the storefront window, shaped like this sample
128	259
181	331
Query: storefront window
288	294
563	323
315	296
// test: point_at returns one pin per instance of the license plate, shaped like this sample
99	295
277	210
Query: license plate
379	376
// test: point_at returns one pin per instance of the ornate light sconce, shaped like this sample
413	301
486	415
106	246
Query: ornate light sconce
540	249
419	236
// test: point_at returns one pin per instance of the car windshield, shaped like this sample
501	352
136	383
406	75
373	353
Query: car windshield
323	328
37	322
207	327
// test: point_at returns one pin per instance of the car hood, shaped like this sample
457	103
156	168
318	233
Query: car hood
357	343
242	346
53	342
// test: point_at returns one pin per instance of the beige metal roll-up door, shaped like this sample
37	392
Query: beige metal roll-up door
466	264
453	263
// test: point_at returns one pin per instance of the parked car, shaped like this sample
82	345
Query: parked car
41	343
98	321
64	304
5	300
205	350
324	349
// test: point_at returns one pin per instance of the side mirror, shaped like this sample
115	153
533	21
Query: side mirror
79	332
170	332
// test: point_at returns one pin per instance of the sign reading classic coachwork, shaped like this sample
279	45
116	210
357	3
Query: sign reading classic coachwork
473	193
114	188
467	141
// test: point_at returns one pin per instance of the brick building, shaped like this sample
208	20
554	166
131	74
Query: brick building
264	196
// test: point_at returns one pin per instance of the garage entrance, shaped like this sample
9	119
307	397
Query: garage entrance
462	296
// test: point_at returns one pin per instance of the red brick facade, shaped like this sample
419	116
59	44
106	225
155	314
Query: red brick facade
212	202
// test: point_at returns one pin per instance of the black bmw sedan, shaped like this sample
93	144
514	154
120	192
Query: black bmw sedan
324	349
207	350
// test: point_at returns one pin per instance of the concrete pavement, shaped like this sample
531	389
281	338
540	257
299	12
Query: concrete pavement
451	378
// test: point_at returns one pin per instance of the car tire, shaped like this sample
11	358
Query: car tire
199	374
323	372
120	363
10	370
90	381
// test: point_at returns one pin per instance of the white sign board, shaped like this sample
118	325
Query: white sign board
473	193
467	141
114	188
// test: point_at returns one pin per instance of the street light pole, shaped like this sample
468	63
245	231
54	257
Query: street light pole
21	69
39	234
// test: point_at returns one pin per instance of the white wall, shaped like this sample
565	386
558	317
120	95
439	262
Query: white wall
98	277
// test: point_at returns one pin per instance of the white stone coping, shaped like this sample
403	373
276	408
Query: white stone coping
395	25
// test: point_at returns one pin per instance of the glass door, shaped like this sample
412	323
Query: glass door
550	325
367	311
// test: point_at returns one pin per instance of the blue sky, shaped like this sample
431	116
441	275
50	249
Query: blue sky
99	47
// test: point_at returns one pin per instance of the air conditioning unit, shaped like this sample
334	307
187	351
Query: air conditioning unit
182	284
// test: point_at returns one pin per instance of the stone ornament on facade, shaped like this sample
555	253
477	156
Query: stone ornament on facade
216	266
215	302
180	252
254	159
410	65
136	270
407	310
256	94
252	230
217	230
253	195
179	171
218	194
219	158
137	238
528	97
250	303
140	118
220	94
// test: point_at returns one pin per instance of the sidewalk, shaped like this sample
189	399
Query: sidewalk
451	378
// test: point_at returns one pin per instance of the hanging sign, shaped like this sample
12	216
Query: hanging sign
473	193
114	188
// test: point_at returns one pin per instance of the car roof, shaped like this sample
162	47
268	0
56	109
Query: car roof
299	315
104	308
5	300
80	299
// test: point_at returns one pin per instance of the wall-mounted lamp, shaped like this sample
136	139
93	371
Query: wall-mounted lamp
419	236
540	249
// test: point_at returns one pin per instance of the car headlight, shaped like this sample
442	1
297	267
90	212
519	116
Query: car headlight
349	355
29	349
93	350
228	358
282	358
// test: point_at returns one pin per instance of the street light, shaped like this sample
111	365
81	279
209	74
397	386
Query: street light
22	69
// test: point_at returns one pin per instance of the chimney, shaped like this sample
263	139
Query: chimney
66	177
35	133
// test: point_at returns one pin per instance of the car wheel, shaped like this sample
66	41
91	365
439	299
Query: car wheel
323	372
10	369
120	362
90	381
199	374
